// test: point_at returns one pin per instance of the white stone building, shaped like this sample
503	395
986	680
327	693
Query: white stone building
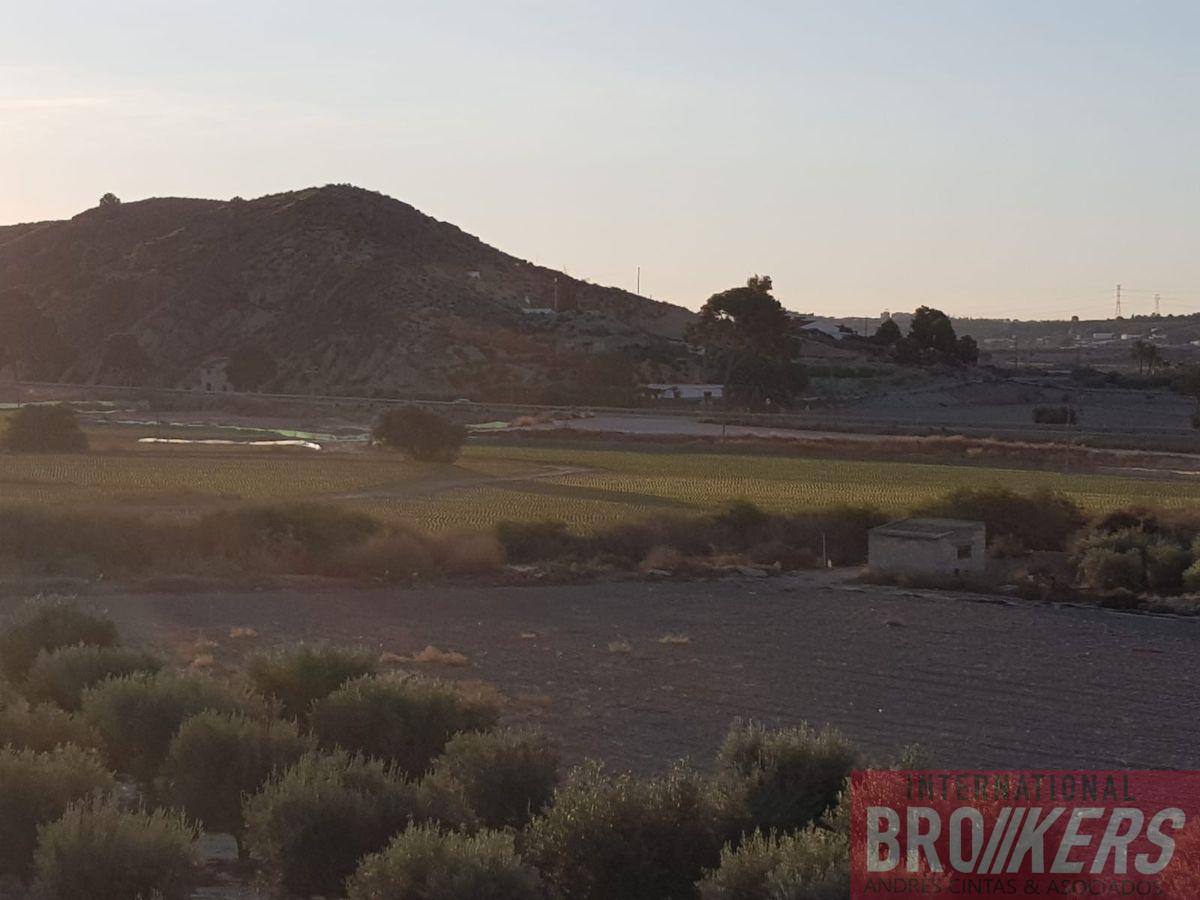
928	547
212	377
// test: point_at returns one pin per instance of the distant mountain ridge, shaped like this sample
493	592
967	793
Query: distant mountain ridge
343	289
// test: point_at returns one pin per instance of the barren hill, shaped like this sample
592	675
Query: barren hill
341	289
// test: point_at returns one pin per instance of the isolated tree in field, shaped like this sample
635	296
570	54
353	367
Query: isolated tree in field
419	433
109	200
931	329
744	332
888	333
1154	359
1140	353
44	428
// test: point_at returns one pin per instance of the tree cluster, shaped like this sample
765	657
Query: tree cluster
750	345
931	339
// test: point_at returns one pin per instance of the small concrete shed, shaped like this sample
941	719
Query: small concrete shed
930	547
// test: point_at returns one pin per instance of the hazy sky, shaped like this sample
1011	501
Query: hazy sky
993	158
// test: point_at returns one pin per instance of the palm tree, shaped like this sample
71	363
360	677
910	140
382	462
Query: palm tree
1153	358
1141	353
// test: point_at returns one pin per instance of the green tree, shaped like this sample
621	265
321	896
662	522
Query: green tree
888	333
420	433
747	336
110	199
1141	354
44	428
933	330
1154	359
967	350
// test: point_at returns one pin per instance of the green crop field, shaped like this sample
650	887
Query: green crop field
586	488
625	484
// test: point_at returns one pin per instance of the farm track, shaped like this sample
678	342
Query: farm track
429	486
976	684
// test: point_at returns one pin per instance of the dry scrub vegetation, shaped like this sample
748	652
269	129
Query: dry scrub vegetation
338	780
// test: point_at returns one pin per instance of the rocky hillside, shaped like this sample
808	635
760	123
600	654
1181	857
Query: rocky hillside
321	290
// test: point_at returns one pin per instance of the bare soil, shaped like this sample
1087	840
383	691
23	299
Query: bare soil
977	682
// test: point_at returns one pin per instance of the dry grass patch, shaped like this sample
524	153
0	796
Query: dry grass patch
621	646
671	638
432	656
481	693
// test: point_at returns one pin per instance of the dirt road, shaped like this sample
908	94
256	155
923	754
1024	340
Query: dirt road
976	683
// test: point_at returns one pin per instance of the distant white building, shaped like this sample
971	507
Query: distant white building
212	377
688	393
829	329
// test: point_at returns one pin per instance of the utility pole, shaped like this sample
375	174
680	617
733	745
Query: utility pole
1157	305
1118	301
639	282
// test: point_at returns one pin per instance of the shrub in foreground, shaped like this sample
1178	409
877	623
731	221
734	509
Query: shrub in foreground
216	758
787	777
530	542
1191	577
35	540
423	863
301	675
419	433
52	428
406	723
625	838
47	626
138	715
312	824
1166	563
1106	569
507	776
290	537
101	852
62	675
809	865
36	788
404	554
44	727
